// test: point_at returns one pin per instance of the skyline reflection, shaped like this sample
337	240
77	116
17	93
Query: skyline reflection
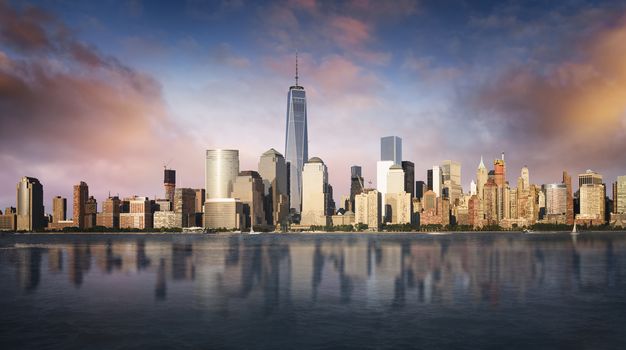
372	270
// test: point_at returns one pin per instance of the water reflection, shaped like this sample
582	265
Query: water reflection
233	272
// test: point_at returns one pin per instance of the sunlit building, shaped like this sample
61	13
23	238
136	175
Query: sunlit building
221	171
273	171
30	209
249	190
367	208
314	193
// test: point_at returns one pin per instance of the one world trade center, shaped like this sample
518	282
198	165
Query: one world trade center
296	142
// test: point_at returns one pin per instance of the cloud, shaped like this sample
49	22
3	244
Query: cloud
572	110
70	114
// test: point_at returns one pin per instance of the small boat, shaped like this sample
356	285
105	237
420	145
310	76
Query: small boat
574	231
526	230
252	232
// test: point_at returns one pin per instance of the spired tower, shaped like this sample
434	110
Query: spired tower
296	142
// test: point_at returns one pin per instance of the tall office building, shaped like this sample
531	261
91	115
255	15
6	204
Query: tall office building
249	190
91	210
409	177
482	174
139	215
420	189
110	215
437	180
314	193
296	141
619	195
81	195
185	207
59	209
589	177
367	209
556	199
391	149
592	204
569	214
356	185
451	180
397	202
169	182
221	171
30	210
499	169
525	175
273	171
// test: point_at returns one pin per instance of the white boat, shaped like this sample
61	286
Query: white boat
574	231
526	230
252	231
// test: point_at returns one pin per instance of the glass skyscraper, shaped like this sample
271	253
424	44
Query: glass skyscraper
296	142
391	149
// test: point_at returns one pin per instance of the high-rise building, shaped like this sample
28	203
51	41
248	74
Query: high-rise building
249	190
429	179
81	195
556	199
473	188
391	149
367	209
221	171
482	175
437	177
110	215
490	202
420	189
91	210
499	168
59	209
592	204
139	214
589	177
273	171
185	207
525	175
451	180
223	213
409	177
296	141
169	182
382	170
619	195
30	209
8	219
356	186
314	193
569	214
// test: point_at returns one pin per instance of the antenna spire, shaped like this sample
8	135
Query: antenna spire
296	67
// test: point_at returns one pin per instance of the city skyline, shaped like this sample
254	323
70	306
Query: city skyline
352	80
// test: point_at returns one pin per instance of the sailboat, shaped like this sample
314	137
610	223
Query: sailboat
252	232
574	231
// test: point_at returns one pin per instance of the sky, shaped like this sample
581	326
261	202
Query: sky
108	92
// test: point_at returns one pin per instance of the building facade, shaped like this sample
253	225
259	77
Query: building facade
30	209
221	171
314	193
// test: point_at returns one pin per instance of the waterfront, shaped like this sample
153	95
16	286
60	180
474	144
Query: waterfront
473	290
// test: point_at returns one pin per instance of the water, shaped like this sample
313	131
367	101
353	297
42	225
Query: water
316	291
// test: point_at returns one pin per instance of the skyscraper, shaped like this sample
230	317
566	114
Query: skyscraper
315	193
81	195
525	175
356	185
499	168
482	174
249	190
619	195
409	177
437	180
296	141
589	177
221	171
391	149
569	214
273	171
59	209
169	182
30	211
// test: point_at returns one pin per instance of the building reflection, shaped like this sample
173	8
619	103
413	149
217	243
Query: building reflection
238	273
